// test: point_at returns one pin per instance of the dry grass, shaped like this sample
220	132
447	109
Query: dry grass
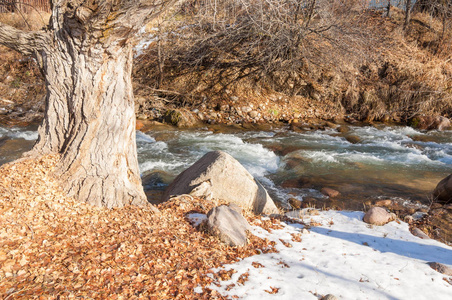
372	70
31	21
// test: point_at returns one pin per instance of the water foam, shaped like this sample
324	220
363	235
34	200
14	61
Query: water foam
18	133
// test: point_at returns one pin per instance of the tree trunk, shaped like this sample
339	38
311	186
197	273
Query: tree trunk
407	15
86	58
99	162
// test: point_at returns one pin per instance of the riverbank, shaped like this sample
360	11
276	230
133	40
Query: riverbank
381	73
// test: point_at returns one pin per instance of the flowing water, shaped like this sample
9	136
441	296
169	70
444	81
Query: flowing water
387	163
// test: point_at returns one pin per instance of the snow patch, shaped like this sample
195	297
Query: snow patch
345	257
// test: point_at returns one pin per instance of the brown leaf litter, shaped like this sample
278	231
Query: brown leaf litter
53	247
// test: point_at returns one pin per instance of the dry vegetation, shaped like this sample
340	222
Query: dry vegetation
337	56
21	84
56	247
359	60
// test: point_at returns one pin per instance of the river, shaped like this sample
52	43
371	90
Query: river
391	162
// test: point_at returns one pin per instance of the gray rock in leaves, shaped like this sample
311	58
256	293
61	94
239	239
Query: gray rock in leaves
228	225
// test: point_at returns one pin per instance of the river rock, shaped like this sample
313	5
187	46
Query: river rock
181	118
354	139
331	125
229	225
443	191
430	122
343	129
156	180
441	268
294	203
378	216
218	175
330	192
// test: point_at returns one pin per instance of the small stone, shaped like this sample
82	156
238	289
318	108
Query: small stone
420	234
330	192
304	231
246	109
419	215
253	114
408	219
443	269
378	216
329	297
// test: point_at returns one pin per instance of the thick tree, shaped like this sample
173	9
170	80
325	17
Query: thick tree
85	55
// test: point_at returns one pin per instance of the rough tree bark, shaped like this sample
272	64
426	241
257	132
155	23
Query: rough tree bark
86	58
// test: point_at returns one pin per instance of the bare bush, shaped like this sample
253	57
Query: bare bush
271	42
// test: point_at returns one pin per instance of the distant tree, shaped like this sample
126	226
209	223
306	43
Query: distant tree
85	55
408	8
438	8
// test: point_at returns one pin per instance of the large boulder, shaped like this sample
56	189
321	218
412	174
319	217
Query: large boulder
378	216
430	122
229	225
443	191
218	175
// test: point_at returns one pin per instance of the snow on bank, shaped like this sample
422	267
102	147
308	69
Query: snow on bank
345	257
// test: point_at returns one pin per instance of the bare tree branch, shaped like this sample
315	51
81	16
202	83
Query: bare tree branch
26	43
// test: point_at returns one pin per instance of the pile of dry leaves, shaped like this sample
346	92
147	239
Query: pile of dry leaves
53	246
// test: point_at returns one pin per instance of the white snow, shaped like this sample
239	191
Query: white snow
344	257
